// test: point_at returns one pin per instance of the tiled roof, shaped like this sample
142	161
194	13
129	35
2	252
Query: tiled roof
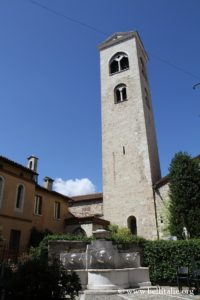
53	192
86	220
161	182
89	197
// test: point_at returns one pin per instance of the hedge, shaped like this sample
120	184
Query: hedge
165	257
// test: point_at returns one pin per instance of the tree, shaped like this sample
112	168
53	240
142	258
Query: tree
184	185
39	279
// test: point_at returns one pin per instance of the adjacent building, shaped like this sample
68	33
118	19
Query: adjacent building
24	204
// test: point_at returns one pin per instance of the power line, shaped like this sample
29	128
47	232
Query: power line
106	34
68	18
195	85
174	66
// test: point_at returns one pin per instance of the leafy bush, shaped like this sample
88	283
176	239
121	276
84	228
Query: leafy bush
165	257
33	278
122	235
42	250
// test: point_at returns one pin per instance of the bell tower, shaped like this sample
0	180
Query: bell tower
129	148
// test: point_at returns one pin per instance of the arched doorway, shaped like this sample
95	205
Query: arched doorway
132	224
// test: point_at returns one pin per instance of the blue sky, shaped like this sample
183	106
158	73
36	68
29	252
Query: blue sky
50	83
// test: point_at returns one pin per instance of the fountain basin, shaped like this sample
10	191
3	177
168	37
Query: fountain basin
113	279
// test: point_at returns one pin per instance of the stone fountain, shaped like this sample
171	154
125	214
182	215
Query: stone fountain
102	265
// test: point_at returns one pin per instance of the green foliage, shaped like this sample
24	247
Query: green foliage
184	195
122	235
38	279
42	250
113	228
37	236
165	257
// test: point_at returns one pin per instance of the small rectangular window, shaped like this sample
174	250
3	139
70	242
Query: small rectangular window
57	210
38	205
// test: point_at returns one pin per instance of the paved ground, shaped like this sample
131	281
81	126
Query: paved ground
164	293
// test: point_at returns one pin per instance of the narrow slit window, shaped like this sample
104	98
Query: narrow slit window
38	205
57	210
124	152
19	197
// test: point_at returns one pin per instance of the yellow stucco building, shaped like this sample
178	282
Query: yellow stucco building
24	204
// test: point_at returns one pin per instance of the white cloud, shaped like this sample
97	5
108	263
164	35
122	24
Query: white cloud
74	187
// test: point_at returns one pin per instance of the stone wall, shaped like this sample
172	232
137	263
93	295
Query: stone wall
87	208
162	203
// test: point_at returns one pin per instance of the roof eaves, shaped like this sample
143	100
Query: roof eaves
12	162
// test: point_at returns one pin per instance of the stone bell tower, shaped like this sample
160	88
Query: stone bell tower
129	148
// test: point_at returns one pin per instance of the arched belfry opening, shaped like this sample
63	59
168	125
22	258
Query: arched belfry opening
132	224
119	62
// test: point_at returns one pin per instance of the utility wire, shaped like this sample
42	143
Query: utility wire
174	66
68	18
106	34
195	85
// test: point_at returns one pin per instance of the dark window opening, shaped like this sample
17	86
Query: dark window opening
14	240
124	96
114	67
19	199
30	165
120	93
119	62
124	64
57	210
38	205
124	150
132	224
